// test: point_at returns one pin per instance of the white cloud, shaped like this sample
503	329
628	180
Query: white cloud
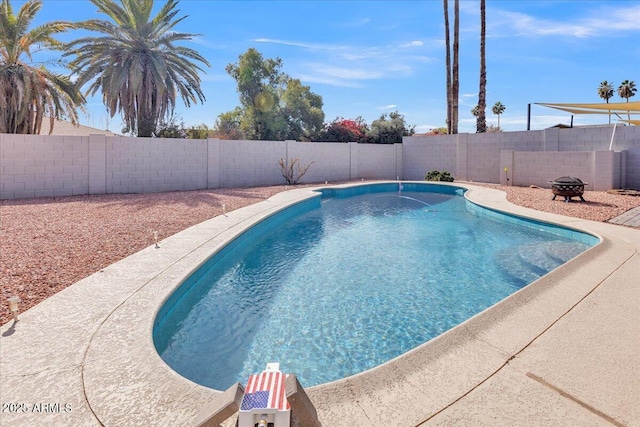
199	40
413	43
605	22
316	46
360	22
328	80
350	65
387	107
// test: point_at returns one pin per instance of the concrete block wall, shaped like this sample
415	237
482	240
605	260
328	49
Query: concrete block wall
540	167
147	165
43	166
378	161
36	165
627	140
482	157
97	163
250	163
332	161
421	154
624	139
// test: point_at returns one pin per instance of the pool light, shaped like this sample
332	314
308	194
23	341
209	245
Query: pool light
13	306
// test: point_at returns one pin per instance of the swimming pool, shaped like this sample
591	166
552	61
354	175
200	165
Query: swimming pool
337	285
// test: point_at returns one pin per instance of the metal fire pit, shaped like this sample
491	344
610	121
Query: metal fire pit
567	187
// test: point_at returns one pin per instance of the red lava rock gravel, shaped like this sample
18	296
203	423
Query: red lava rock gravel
47	244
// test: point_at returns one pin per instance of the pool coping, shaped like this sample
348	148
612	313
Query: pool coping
90	346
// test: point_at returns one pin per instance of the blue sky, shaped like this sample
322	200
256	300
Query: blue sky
366	58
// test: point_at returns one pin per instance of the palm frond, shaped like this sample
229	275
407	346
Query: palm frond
135	64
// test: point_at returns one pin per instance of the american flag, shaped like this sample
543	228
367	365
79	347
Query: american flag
265	391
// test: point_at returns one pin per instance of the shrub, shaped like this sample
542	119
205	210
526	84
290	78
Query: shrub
344	130
293	171
438	176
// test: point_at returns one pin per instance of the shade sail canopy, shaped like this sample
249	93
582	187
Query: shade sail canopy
599	108
633	122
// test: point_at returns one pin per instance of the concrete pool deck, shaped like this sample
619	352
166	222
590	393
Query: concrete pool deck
562	351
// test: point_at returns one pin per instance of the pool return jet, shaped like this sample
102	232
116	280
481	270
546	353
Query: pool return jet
270	399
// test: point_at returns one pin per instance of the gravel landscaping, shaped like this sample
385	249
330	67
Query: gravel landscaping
48	244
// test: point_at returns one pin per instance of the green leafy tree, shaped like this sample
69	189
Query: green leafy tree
273	106
626	90
28	94
498	109
389	129
605	91
228	125
172	128
302	110
200	131
136	64
175	128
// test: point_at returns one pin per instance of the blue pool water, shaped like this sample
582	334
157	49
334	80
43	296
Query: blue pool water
338	285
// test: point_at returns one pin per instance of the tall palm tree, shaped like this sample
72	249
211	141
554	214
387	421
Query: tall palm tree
605	91
475	111
27	93
627	89
447	43
481	120
453	85
136	63
498	109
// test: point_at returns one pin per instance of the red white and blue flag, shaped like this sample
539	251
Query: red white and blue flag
265	391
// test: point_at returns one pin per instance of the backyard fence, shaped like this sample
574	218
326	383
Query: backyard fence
39	165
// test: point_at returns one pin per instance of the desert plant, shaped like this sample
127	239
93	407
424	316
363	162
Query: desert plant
293	171
438	176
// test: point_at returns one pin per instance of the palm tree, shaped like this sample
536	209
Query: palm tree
447	43
481	120
627	89
475	111
605	91
498	109
455	83
136	63
27	93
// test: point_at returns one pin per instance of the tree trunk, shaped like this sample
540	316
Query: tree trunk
455	87
481	119
448	63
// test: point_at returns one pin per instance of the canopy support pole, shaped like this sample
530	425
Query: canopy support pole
613	134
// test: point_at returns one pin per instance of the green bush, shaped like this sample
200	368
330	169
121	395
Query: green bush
438	176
